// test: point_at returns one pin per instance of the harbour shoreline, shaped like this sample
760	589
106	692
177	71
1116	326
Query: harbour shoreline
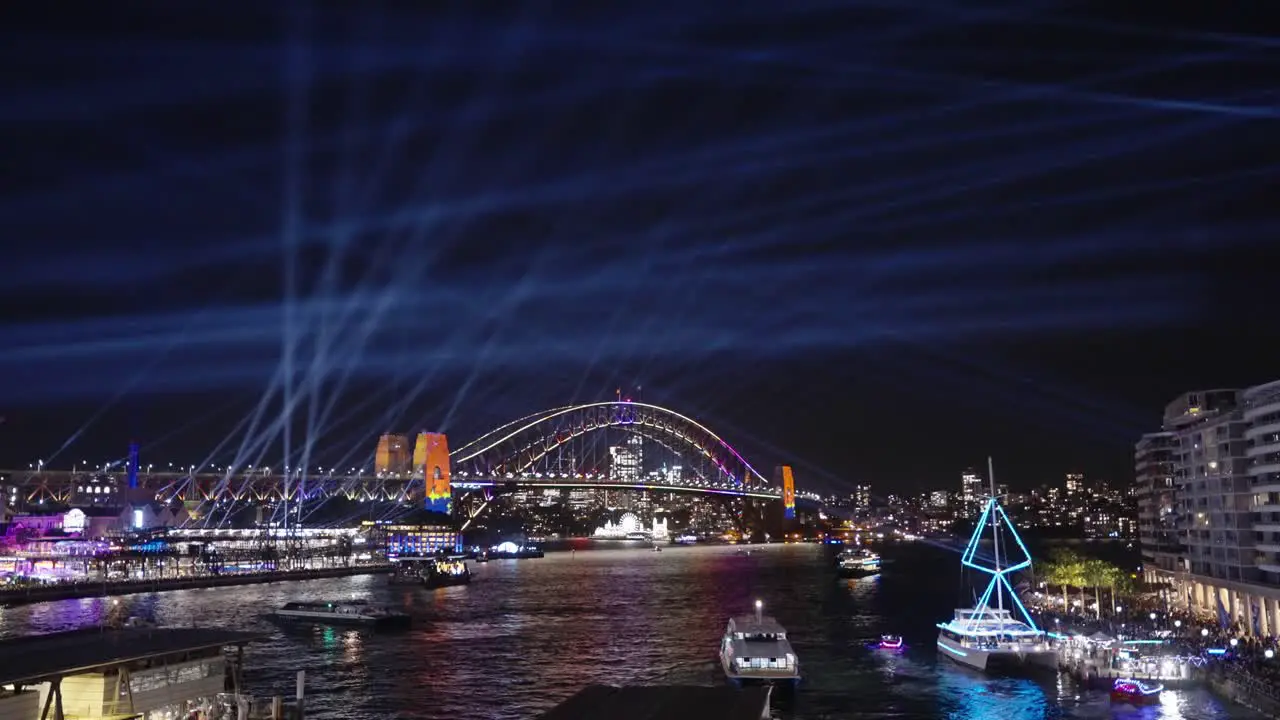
11	597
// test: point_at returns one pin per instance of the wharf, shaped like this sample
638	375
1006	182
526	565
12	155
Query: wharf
70	591
1096	673
669	702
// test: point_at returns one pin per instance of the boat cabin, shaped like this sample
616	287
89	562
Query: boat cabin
989	628
758	644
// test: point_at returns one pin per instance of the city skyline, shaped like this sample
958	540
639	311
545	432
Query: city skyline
998	254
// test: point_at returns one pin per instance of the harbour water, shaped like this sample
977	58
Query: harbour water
526	634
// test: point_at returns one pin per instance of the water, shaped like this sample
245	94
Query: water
527	634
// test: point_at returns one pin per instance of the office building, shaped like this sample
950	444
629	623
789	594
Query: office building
1075	484
1224	459
972	494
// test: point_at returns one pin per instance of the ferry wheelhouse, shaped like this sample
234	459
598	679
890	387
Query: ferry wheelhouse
989	636
755	649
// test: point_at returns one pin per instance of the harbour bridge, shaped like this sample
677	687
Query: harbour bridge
585	446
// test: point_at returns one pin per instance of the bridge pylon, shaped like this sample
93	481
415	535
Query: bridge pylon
431	459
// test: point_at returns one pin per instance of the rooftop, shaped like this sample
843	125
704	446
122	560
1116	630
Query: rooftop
668	702
36	658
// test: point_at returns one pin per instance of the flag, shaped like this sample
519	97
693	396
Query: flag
1257	621
1224	620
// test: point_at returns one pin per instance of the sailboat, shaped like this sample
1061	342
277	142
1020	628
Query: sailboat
989	636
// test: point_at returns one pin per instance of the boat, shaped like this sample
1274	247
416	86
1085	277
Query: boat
351	612
446	572
1135	692
858	563
755	650
657	549
988	636
890	642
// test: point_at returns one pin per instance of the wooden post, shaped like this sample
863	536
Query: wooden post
302	687
277	708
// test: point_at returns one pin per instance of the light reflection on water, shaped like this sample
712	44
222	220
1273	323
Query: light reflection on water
527	634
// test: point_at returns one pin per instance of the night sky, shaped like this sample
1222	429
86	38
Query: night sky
879	243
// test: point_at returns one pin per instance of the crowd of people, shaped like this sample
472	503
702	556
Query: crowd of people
1251	660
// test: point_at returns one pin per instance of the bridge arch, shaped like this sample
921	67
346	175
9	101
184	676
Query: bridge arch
565	442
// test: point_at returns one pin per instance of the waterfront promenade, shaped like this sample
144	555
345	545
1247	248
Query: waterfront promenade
25	594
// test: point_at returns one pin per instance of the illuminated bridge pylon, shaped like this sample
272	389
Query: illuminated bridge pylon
602	445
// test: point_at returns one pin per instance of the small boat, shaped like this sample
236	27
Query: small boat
1135	692
890	642
445	573
755	649
352	612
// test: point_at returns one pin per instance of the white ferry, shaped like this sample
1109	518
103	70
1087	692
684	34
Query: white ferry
991	638
858	563
351	612
755	650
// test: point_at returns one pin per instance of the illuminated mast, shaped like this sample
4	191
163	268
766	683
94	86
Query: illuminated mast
993	513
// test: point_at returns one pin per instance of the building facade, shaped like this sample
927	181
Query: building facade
1209	494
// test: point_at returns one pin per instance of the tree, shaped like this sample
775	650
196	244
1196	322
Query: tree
1097	573
1065	569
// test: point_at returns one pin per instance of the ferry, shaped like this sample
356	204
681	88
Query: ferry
445	573
990	637
858	564
755	650
1135	692
352	612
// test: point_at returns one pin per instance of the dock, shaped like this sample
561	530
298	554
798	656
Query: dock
669	702
71	591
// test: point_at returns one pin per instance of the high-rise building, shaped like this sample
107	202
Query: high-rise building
971	492
1157	501
1075	484
938	498
627	460
861	496
1224	450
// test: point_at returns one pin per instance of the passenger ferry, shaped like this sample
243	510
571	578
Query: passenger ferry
352	612
991	638
445	573
755	650
1135	692
858	563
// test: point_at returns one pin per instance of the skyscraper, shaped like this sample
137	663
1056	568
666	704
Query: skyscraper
1075	484
971	492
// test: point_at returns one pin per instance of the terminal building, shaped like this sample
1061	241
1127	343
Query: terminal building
1209	504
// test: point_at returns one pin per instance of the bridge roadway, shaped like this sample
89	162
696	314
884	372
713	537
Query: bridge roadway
98	487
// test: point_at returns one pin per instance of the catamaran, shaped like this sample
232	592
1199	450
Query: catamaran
989	636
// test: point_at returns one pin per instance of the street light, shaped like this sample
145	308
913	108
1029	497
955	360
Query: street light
1152	616
1204	632
1177	623
1235	642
